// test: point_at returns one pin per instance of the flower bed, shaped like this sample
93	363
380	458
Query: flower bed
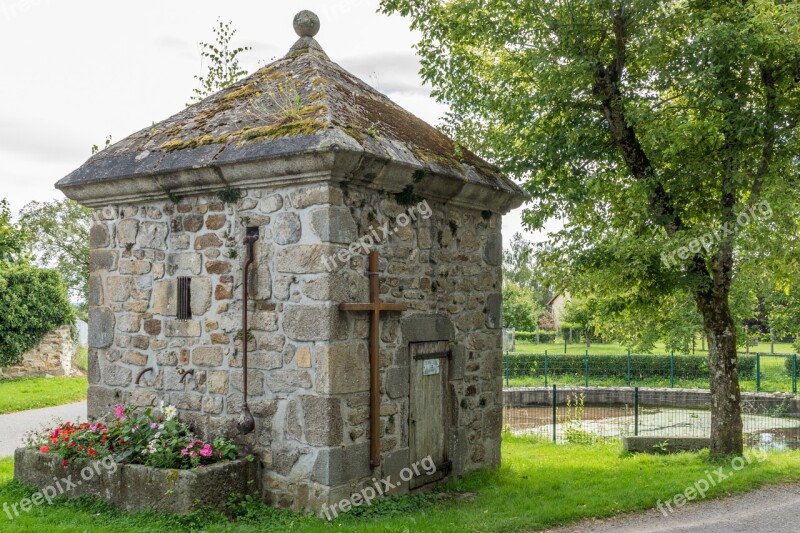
139	461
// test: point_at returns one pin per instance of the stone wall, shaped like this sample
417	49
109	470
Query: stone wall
52	357
308	382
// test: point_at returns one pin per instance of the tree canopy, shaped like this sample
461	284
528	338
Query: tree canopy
59	237
662	132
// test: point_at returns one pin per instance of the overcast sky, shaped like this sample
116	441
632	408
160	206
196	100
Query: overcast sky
74	72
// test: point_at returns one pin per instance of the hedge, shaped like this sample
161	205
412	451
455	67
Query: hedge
33	301
545	336
643	366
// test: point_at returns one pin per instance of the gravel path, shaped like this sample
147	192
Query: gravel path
766	510
14	425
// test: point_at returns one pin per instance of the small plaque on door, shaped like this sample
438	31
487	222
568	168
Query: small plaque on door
430	367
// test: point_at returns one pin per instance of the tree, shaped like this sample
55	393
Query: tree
662	131
223	68
582	312
519	307
59	237
519	267
12	238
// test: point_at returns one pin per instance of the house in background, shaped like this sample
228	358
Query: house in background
557	305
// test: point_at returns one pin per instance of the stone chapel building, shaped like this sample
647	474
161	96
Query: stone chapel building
313	168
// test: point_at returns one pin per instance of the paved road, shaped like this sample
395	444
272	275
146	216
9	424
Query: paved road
14	425
765	510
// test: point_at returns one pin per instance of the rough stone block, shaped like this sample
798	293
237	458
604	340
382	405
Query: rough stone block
103	260
493	250
313	323
307	258
288	380
152	235
201	296
334	224
182	328
184	264
165	297
322	420
664	444
218	381
99	236
342	368
127	230
287	228
101	327
334	466
396	382
117	376
316	195
207	356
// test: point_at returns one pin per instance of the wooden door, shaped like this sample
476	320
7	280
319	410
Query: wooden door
429	418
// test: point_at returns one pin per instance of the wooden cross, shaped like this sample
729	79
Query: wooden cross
375	306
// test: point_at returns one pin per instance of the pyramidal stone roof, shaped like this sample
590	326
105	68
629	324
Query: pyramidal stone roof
302	118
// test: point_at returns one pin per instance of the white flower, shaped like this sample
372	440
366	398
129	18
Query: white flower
169	412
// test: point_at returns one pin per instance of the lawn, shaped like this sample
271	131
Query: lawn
32	393
614	348
539	485
774	373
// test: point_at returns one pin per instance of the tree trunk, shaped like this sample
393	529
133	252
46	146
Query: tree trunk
726	413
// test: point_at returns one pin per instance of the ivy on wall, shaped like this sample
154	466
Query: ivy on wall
33	301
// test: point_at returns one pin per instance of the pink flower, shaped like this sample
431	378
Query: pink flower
184	452
120	412
207	451
44	449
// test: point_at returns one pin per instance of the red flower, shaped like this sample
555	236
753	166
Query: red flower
44	449
65	462
91	451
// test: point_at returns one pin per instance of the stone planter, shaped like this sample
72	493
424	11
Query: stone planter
137	488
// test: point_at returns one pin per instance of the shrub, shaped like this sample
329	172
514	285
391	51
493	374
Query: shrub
545	336
33	301
643	366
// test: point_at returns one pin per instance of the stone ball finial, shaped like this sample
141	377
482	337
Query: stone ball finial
306	24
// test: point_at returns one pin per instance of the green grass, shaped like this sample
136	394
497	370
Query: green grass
539	485
32	393
614	348
81	359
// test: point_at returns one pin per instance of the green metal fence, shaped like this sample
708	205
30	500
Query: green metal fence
757	372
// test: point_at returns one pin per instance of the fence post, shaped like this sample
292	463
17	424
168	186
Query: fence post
629	368
636	411
507	368
545	368
794	373
554	413
672	369
758	372
586	359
